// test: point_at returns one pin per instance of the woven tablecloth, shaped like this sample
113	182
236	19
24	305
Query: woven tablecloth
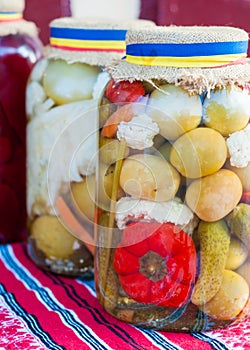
40	310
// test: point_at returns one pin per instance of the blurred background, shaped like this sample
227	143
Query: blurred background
163	12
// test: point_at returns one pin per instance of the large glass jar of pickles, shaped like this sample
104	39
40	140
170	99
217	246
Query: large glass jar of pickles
62	99
20	49
173	199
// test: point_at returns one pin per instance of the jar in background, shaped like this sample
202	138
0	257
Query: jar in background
173	229
20	49
62	105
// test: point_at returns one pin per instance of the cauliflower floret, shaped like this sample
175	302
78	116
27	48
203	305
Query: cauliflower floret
35	95
138	132
239	147
43	107
173	211
39	69
61	147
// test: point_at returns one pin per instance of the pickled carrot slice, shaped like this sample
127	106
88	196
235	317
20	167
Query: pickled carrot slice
124	113
72	224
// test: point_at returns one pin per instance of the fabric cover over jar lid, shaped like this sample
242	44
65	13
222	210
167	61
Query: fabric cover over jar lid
196	57
88	40
11	19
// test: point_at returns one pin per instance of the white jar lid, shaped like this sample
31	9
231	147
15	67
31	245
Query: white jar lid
12	5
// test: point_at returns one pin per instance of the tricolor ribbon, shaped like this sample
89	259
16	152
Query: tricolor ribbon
187	55
10	16
82	39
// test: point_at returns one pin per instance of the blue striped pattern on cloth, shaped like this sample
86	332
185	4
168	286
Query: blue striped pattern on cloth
64	313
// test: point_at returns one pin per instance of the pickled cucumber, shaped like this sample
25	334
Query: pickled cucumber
214	239
239	223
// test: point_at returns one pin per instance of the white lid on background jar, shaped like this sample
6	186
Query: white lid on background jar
90	40
11	19
12	5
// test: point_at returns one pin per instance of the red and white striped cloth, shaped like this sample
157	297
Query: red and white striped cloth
39	310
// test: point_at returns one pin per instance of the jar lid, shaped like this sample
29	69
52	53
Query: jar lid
12	6
196	57
11	19
91	41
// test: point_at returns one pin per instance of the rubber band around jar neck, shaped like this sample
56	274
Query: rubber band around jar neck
187	55
83	39
10	16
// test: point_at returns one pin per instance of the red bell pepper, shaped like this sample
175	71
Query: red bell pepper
124	91
156	263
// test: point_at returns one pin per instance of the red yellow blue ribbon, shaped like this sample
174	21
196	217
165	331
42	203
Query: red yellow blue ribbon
81	39
10	16
187	55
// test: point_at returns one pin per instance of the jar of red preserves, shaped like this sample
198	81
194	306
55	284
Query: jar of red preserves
173	224
20	49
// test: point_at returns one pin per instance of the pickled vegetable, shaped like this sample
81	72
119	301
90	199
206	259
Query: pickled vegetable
65	83
230	299
174	110
227	110
124	91
83	196
159	141
214	240
237	254
106	178
109	149
155	263
124	113
198	153
243	173
214	196
244	271
149	177
239	223
56	241
165	150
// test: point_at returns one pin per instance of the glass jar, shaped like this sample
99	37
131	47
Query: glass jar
20	49
62	105
173	204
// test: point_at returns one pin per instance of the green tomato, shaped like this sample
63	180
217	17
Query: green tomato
65	83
